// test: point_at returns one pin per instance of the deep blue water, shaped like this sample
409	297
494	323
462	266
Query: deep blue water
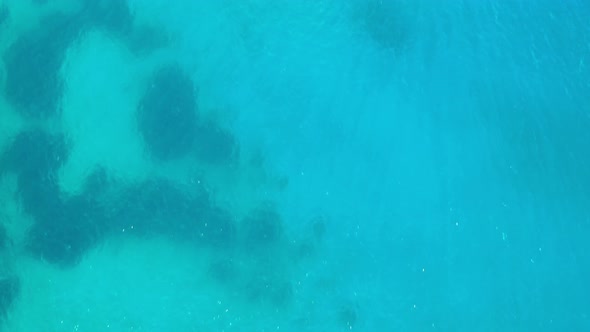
298	165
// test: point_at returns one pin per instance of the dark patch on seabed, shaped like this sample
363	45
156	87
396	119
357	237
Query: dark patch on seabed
3	238
33	61
9	290
66	226
386	23
113	16
35	157
167	113
60	233
4	14
214	144
169	123
33	83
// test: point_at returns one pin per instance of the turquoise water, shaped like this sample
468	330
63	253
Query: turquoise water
295	165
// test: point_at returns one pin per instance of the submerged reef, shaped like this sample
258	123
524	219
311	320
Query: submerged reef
157	206
33	62
3	238
9	290
168	121
167	113
386	23
178	193
112	16
35	156
65	227
76	225
214	144
4	13
33	84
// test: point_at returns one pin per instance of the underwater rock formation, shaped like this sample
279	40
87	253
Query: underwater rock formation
167	114
63	237
9	290
4	13
64	228
33	62
158	207
214	144
386	23
35	157
113	16
3	238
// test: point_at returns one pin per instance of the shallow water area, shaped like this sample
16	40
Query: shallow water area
300	166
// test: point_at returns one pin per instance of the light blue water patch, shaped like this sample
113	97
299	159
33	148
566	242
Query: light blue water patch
386	165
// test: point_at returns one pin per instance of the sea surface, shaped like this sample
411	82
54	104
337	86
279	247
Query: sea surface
309	165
